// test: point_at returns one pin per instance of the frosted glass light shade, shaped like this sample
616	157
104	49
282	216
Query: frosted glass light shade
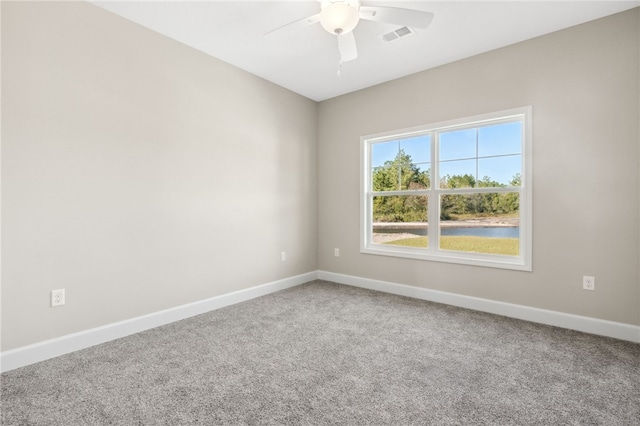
339	18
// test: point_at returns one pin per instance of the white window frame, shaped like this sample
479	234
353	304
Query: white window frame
521	262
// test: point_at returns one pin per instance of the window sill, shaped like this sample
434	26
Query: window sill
474	259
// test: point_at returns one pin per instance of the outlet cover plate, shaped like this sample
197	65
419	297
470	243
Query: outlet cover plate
57	297
588	283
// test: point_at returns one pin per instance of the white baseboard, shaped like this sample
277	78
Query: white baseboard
600	327
26	355
48	349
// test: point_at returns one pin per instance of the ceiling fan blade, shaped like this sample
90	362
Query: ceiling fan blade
394	15
347	47
292	27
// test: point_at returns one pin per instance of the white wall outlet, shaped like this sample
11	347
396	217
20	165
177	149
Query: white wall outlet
283	256
336	252
588	283
57	297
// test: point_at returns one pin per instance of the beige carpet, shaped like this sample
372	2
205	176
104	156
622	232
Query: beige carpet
324	353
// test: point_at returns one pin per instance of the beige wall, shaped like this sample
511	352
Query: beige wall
583	84
140	174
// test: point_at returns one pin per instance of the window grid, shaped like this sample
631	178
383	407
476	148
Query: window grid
434	192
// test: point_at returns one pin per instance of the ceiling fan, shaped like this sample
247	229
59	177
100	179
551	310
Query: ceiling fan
340	17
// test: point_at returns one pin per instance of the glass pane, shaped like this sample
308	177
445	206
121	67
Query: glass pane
481	223
394	168
458	144
418	148
500	171
415	176
385	178
400	220
383	152
458	174
500	139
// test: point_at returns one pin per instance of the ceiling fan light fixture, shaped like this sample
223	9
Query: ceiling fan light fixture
339	18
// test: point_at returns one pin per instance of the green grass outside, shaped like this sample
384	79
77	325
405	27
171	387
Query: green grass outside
504	246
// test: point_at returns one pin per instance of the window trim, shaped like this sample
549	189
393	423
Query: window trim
523	262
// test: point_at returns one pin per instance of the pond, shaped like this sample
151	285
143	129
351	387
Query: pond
489	231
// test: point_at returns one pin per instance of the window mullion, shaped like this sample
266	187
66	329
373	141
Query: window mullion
477	153
405	192
481	190
434	197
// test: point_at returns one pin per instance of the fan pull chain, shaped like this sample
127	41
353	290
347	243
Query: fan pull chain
339	55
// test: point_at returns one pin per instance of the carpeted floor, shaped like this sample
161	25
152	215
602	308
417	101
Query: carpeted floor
324	353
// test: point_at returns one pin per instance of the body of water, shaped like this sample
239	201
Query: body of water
490	232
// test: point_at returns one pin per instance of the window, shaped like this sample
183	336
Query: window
458	191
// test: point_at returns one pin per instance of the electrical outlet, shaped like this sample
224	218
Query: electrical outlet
336	252
283	256
588	283
57	297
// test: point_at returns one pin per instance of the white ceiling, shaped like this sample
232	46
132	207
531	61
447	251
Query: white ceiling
307	62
